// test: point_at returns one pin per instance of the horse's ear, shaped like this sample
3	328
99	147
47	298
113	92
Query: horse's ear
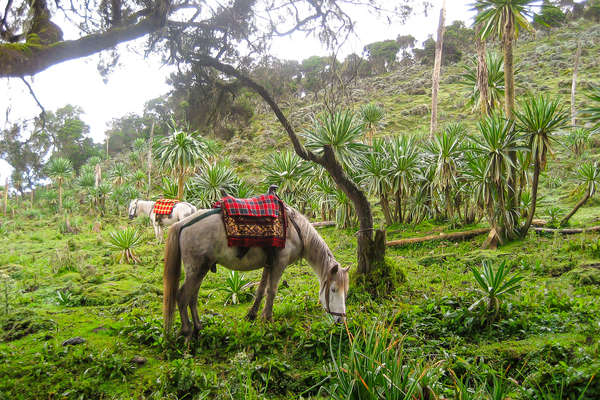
346	269
334	269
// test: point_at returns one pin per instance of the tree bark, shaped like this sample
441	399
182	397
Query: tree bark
574	84
59	196
577	206
369	248
482	75
32	57
5	196
150	160
385	206
534	189
441	236
509	103
437	69
180	186
568	231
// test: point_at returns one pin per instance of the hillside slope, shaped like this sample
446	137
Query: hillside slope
544	62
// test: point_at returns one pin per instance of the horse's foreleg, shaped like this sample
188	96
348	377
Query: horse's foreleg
260	292
274	277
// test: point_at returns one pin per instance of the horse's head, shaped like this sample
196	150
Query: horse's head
133	208
334	289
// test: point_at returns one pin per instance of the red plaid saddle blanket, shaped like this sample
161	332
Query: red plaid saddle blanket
164	206
258	221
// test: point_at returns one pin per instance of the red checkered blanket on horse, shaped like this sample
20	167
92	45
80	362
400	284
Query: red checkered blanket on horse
258	221
164	206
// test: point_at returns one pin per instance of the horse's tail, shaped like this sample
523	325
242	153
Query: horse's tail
171	275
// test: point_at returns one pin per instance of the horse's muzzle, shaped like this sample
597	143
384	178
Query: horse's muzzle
131	217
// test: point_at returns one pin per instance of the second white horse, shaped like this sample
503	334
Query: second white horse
146	207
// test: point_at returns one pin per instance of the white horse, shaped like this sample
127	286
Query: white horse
201	242
180	211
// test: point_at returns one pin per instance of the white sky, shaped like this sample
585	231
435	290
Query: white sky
138	80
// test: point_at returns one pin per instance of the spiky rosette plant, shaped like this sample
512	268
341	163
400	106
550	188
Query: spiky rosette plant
494	284
125	241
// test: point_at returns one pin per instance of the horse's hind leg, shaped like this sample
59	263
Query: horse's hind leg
186	294
260	292
194	299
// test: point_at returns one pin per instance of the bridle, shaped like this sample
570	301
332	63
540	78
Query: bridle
327	288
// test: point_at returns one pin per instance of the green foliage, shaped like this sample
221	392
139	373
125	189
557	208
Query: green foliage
341	131
577	140
494	284
539	117
592	112
495	67
235	284
59	169
211	183
125	241
492	16
375	365
168	188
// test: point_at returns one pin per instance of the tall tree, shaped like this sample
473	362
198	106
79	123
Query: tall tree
482	74
505	19
538	118
59	169
574	84
437	69
180	152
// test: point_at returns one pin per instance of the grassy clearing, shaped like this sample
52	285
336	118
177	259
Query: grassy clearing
547	333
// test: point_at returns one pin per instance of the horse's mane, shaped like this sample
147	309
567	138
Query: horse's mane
316	250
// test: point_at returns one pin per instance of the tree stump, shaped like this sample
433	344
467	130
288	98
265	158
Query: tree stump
492	240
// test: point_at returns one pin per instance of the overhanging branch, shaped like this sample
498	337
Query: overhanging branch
22	59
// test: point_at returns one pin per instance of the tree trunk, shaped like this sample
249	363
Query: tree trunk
385	206
31	194
437	68
150	160
370	250
441	236
482	75
574	210
59	196
574	84
509	104
180	186
5	196
534	189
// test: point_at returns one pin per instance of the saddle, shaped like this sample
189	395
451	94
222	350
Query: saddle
163	207
255	222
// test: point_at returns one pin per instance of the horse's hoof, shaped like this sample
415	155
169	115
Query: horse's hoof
251	316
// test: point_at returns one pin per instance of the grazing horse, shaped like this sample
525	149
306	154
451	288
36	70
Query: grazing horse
201	242
180	211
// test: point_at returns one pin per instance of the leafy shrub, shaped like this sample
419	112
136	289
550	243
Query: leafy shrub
65	298
494	284
64	261
235	284
125	241
377	366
